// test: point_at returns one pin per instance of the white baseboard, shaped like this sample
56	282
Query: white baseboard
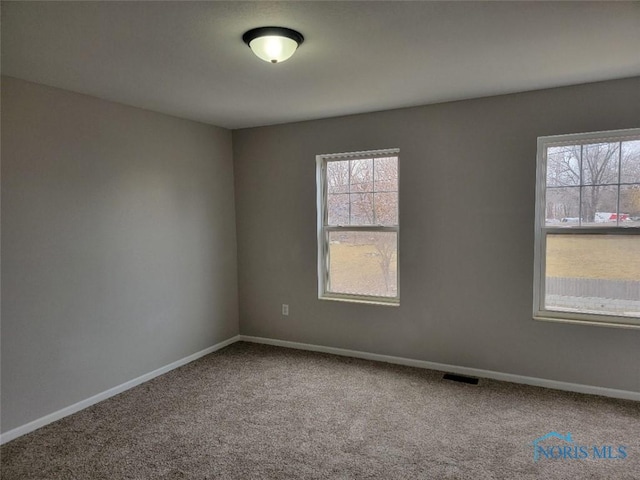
506	377
76	407
475	372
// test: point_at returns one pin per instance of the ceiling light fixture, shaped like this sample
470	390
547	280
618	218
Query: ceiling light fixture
273	44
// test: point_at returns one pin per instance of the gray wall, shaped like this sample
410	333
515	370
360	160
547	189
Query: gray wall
118	245
467	180
119	240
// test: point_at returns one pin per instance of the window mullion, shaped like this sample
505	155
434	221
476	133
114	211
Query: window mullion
619	180
349	190
362	228
373	188
580	188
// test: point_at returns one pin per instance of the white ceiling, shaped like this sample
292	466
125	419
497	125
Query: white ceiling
188	59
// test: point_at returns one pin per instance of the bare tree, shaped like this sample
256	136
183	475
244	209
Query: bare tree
583	179
599	168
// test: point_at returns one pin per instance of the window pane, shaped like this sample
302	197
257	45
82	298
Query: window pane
361	208
563	166
363	263
362	175
630	206
593	274
599	206
600	163
338	177
563	206
338	209
386	174
630	172
386	206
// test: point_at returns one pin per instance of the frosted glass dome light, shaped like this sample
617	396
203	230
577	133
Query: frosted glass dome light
273	44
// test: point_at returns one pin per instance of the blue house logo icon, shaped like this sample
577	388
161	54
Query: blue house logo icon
537	448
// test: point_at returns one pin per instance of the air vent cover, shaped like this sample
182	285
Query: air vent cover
460	378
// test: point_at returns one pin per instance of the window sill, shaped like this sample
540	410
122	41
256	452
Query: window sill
362	300
615	322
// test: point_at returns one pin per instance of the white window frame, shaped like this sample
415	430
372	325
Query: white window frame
323	228
542	230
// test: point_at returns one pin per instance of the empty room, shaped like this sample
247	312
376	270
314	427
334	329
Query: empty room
320	240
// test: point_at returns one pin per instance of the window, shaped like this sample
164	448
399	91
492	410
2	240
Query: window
587	258
358	227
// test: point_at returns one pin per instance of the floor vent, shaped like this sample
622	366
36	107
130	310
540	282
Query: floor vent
460	378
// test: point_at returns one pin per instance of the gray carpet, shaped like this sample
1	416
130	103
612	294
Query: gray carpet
259	412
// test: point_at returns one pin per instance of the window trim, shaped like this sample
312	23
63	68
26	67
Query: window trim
323	228
541	232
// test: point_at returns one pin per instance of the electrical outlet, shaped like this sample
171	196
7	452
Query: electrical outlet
285	309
